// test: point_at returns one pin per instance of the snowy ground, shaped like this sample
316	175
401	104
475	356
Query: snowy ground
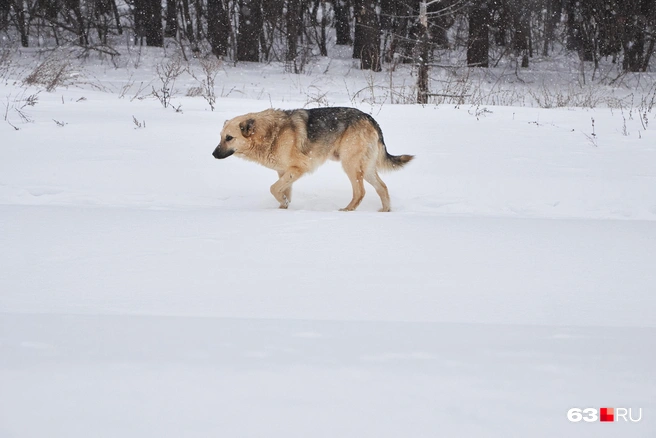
149	290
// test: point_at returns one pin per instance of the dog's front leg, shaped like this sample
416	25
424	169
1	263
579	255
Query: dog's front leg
286	194
282	189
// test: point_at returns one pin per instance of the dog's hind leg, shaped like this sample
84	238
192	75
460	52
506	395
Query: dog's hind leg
282	189
356	176
373	179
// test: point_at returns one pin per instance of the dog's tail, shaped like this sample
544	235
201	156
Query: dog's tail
392	162
385	160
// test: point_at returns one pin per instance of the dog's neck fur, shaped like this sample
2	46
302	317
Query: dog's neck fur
265	142
262	149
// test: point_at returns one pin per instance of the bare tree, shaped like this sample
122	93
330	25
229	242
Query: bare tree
553	9
290	30
343	21
479	28
398	20
5	7
218	27
638	23
320	9
148	21
367	36
294	23
171	28
520	12
21	18
250	26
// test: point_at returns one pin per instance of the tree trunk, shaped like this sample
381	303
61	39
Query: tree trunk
19	10
395	22
199	19
648	55
501	21
649	11
218	27
440	20
273	24
172	18
102	8
323	50
117	18
148	21
139	21
610	41
638	16
522	31
250	26
343	22
634	46
294	24
369	31
580	35
357	31
479	44
573	27
155	32
4	14
550	23
49	9
422	71
188	25
74	7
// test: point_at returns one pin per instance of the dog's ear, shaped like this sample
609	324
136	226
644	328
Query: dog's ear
247	127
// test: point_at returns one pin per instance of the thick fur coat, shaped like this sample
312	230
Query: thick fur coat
296	142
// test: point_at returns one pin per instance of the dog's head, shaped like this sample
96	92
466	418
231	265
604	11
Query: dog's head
235	136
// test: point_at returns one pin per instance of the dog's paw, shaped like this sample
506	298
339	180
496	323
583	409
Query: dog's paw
385	210
346	209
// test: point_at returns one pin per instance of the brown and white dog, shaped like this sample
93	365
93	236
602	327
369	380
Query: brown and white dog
295	142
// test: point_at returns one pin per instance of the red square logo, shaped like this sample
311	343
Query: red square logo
606	414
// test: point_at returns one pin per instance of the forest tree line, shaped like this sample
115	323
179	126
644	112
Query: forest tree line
378	31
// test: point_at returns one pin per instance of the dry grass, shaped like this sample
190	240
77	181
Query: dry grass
56	71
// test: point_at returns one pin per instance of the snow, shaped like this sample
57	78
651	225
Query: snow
149	290
118	375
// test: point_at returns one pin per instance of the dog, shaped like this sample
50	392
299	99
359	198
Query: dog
296	142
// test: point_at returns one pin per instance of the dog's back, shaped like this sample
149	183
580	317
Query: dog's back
326	126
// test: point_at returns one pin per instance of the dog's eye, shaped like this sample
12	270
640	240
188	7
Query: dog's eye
229	137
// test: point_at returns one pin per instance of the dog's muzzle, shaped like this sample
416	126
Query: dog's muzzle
222	153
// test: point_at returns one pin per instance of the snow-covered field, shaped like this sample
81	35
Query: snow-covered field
148	290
